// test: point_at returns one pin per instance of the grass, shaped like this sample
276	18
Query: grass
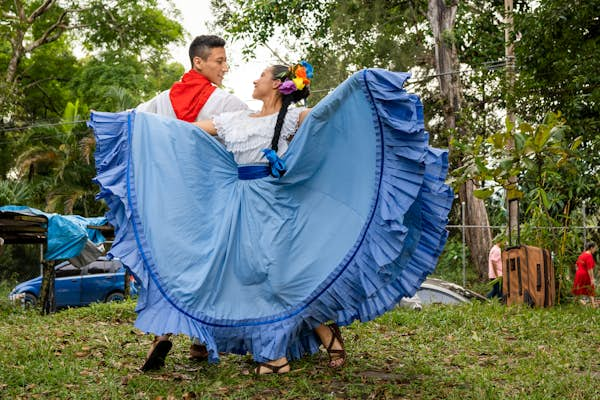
473	351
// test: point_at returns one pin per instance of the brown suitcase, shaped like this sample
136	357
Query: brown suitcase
528	276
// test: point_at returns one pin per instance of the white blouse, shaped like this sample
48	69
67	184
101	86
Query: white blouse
246	136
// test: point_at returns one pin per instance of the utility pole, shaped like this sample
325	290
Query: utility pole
509	54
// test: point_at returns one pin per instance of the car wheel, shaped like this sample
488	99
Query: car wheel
115	296
29	301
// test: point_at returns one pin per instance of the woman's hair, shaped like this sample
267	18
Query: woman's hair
589	245
286	99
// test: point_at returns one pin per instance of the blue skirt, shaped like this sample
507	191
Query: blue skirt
254	265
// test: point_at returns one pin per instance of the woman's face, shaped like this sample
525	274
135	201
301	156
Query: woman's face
265	85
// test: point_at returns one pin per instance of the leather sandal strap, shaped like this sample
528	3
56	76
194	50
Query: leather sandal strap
335	335
274	368
336	354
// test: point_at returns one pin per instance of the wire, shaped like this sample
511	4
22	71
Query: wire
489	65
40	125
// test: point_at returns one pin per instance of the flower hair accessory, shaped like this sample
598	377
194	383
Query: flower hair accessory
296	77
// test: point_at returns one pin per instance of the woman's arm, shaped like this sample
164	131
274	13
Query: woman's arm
302	115
207	125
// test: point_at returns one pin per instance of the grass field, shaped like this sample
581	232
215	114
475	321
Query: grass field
473	351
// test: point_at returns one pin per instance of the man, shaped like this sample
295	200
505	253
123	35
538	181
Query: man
495	268
196	97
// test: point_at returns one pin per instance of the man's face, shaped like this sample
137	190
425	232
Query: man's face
214	67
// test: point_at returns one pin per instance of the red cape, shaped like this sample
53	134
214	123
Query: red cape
189	95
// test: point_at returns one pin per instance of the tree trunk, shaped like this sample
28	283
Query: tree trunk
47	298
441	15
17	53
21	43
479	238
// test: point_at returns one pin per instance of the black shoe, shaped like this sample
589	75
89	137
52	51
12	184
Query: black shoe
156	357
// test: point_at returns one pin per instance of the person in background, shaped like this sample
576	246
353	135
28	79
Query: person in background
196	96
495	268
584	283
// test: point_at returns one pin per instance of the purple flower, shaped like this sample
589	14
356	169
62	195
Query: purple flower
287	87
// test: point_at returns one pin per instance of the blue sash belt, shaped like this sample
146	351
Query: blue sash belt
247	172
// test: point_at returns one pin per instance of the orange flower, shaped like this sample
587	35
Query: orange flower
301	72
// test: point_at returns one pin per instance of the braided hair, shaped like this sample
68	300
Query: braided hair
281	72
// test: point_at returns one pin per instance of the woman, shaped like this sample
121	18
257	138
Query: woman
253	257
248	135
584	283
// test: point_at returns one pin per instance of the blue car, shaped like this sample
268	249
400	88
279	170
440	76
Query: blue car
100	281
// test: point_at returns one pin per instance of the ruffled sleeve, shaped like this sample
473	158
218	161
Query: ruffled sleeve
290	124
225	125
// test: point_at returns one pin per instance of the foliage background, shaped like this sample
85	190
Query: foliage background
473	351
46	155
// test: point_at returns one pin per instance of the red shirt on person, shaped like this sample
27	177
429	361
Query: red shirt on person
583	284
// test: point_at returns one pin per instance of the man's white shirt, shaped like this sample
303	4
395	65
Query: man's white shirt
219	102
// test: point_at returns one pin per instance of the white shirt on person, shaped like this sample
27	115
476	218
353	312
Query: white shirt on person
246	136
495	262
219	102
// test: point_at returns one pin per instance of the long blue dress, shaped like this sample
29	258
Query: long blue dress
356	223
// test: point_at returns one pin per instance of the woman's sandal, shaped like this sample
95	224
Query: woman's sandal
336	354
198	352
274	369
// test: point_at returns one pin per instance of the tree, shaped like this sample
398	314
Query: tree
29	26
442	19
542	157
338	37
126	63
113	82
558	59
58	164
343	36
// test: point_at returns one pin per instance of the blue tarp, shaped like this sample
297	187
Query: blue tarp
67	234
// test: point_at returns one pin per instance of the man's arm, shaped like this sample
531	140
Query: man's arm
207	125
233	103
220	102
159	104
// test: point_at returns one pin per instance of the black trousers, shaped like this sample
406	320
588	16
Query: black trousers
496	291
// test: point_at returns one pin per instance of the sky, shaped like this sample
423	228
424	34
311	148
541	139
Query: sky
196	17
